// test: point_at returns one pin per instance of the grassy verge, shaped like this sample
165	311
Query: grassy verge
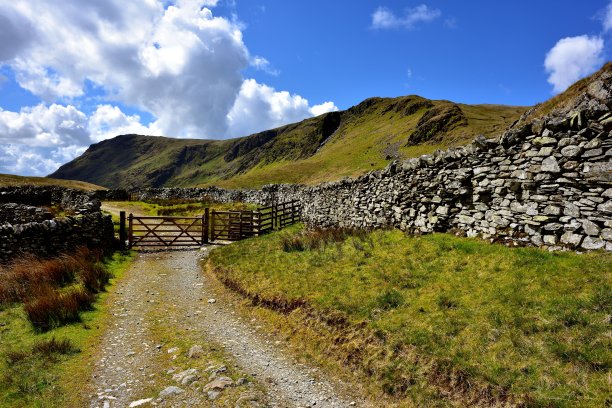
437	319
38	368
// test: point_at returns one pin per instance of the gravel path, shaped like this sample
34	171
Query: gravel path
163	307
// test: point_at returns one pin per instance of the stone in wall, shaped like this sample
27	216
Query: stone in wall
25	228
81	202
50	237
13	213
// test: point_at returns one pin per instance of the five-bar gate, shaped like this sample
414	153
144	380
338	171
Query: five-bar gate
213	226
167	231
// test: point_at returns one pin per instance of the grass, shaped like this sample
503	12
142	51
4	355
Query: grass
54	291
38	368
9	180
420	318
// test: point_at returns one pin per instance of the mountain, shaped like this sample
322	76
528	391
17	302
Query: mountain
328	147
334	145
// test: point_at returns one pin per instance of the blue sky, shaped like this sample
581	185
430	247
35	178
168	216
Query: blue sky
75	73
474	52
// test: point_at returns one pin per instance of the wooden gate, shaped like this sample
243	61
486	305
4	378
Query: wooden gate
221	225
287	213
167	231
234	225
237	225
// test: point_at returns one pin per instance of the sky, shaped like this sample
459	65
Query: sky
77	72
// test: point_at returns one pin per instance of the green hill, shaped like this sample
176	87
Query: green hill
9	180
334	145
328	147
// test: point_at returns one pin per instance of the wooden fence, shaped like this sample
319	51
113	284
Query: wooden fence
211	226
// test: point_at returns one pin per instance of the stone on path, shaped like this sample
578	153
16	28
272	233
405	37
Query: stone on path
140	402
172	390
196	351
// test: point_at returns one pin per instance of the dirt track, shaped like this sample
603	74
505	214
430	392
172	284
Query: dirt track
163	307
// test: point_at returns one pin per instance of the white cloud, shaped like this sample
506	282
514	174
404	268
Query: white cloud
264	65
260	107
37	140
325	107
109	121
174	60
573	58
180	63
383	18
20	159
42	126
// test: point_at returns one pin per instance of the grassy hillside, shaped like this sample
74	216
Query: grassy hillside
434	319
328	147
12	180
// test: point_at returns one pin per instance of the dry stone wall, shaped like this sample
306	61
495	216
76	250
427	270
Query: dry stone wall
547	183
13	213
26	228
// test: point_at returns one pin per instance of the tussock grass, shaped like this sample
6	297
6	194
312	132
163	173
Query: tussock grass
319	238
38	368
51	308
54	291
439	317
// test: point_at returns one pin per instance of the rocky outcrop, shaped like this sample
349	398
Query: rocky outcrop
436	122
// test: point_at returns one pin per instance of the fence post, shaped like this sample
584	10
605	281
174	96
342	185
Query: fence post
240	225
257	222
212	226
205	220
122	236
130	231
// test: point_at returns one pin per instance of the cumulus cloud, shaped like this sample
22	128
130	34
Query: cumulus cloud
109	121
573	58
20	159
43	126
174	60
325	107
383	18
259	107
16	33
37	140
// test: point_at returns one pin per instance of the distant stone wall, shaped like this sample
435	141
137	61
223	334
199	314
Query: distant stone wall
547	183
27	229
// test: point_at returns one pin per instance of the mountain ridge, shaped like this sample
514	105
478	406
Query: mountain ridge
312	150
324	148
